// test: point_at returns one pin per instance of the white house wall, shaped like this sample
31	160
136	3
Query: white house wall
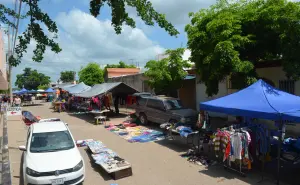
276	74
201	95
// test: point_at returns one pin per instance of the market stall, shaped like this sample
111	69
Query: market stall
102	97
262	101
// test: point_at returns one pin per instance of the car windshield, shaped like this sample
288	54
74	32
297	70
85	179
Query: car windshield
51	141
173	104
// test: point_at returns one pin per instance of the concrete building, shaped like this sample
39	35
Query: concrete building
136	81
116	72
3	74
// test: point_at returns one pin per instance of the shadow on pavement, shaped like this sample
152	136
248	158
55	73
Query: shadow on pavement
21	181
33	105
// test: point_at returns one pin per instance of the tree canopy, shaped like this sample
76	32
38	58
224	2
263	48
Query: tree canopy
167	74
31	79
121	64
230	39
91	74
67	76
38	18
43	87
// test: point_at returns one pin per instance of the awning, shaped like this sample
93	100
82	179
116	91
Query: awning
79	88
115	88
66	85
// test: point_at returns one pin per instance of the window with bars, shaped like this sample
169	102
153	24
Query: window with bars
287	86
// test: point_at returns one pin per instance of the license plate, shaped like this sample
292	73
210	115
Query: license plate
58	181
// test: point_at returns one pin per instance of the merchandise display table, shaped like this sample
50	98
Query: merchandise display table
100	116
109	160
170	130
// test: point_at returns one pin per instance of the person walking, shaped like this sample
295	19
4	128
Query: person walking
17	101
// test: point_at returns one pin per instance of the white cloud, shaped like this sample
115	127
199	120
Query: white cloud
84	38
177	10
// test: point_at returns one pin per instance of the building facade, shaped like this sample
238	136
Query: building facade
3	73
136	81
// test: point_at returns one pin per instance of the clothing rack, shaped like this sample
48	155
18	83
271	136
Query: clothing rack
238	168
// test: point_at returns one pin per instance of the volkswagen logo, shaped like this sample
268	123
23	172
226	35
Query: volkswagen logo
56	173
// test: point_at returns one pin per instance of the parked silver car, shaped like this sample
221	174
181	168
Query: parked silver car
162	109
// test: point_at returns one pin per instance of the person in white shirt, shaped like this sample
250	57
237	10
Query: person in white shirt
17	101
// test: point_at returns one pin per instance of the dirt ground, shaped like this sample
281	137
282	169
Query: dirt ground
154	163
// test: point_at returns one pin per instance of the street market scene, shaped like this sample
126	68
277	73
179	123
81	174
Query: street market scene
149	92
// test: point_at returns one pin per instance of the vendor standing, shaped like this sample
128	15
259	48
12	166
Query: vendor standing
106	102
116	104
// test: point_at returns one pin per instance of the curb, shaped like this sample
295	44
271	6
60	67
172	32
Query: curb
6	172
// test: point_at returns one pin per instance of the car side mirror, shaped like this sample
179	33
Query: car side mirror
67	124
22	148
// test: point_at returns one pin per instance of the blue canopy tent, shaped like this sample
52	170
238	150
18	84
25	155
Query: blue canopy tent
23	91
76	89
15	92
49	90
259	100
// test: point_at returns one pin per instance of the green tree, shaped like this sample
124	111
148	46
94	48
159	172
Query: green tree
167	74
31	79
121	64
67	76
229	39
37	18
91	74
43	87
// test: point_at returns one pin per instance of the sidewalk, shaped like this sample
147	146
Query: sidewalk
16	137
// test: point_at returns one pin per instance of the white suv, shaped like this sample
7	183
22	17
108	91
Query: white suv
51	155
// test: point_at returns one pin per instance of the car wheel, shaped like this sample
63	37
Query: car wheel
143	119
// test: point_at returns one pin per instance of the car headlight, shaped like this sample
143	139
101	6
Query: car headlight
182	120
32	173
78	166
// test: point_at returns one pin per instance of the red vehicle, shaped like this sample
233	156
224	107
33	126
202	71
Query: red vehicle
29	118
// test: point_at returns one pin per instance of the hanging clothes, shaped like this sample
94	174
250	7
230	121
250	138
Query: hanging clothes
110	98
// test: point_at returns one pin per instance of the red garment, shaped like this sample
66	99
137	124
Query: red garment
129	100
106	101
134	100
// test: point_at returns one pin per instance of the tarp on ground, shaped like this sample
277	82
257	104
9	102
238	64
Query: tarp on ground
79	88
259	100
115	88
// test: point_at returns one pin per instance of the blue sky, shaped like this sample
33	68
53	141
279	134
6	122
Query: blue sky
84	38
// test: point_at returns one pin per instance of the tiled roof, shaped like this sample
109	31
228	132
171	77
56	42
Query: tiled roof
114	72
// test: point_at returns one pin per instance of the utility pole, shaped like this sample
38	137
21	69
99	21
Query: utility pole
74	77
9	67
11	54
